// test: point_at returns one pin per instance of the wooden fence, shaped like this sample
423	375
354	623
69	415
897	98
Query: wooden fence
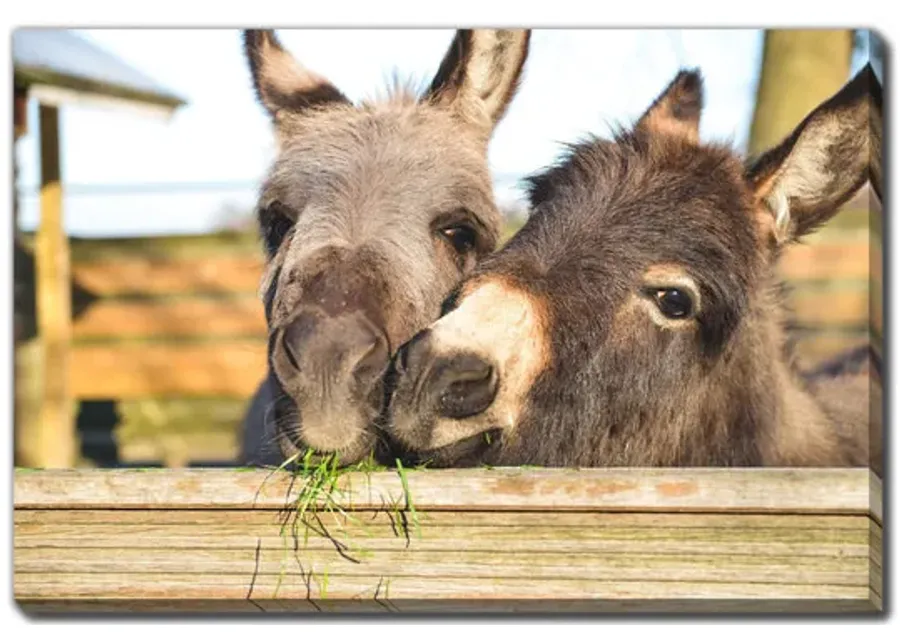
544	540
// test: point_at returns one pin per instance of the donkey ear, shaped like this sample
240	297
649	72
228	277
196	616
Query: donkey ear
676	111
281	83
803	181
480	73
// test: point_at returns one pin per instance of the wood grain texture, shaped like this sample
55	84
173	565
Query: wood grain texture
539	540
523	540
820	491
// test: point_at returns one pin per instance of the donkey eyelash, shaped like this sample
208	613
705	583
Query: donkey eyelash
454	218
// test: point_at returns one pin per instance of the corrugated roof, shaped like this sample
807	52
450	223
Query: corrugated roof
60	58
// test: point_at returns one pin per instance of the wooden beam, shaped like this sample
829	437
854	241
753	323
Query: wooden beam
751	490
702	540
55	444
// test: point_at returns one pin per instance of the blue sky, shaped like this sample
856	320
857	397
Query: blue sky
116	165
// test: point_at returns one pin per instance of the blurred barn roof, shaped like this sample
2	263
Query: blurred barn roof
57	66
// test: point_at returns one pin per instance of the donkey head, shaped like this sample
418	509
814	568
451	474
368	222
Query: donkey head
370	215
634	319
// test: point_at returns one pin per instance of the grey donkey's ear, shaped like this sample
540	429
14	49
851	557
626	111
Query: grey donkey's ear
480	74
803	181
281	83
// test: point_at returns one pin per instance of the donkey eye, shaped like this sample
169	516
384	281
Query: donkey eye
461	237
276	221
674	303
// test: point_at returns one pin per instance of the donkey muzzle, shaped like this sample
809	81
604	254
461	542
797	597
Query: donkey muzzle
330	356
454	386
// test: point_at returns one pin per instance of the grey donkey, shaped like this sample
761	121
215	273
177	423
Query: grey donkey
370	215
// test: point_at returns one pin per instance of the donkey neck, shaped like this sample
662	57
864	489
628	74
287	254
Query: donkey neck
802	432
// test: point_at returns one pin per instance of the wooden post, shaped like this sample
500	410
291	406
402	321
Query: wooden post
55	443
800	69
27	354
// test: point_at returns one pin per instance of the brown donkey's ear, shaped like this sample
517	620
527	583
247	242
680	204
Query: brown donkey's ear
480	74
804	180
676	112
281	83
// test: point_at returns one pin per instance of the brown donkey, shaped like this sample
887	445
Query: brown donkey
636	319
370	215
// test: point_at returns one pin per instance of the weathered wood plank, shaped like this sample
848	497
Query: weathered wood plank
123	371
235	586
523	540
379	534
173	317
496	563
825	491
224	519
134	274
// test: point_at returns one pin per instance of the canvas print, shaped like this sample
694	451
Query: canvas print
448	320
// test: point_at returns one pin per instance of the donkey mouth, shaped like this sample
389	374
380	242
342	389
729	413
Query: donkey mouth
296	450
472	451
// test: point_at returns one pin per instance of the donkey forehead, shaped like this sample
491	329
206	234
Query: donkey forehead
649	201
393	154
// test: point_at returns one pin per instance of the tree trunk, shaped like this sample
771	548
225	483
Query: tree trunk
800	69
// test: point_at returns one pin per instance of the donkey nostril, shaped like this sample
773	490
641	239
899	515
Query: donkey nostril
412	354
296	335
374	357
289	344
465	385
401	363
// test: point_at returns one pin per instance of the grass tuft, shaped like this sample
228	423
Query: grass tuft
317	503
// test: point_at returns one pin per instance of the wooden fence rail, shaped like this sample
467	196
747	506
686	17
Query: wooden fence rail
541	540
